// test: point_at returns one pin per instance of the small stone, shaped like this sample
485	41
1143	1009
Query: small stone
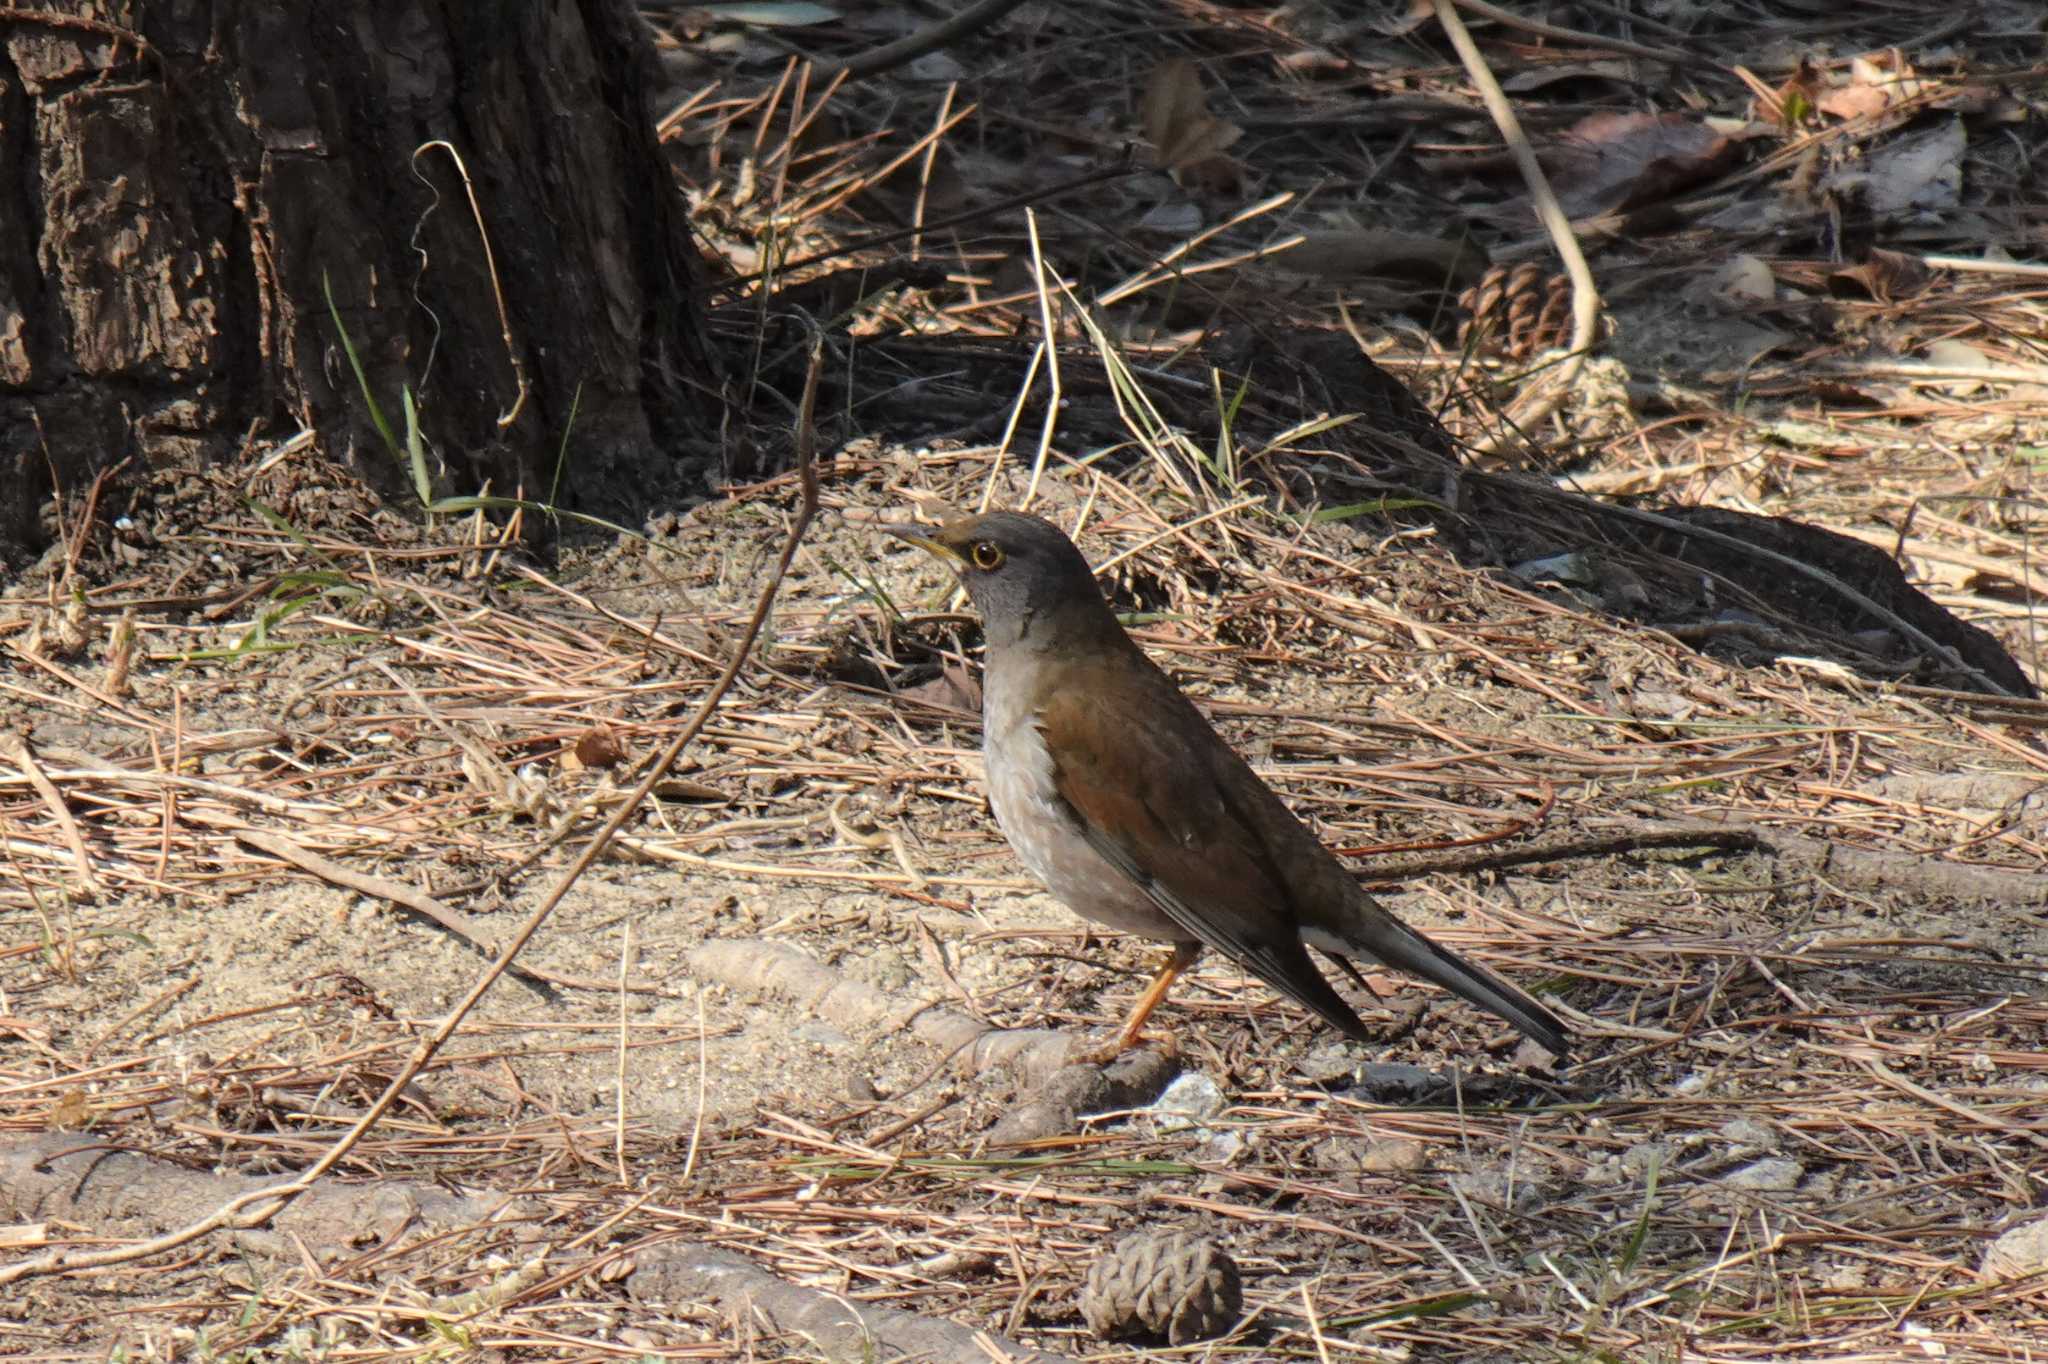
822	1035
1638	1159
1394	1156
1492	1189
2019	1252
1331	1063
1749	1132
1394	1082
1845	1278
1055	1108
1822	1187
1033	1120
1079	1089
1774	1175
1192	1097
1603	1174
888	971
1334	1153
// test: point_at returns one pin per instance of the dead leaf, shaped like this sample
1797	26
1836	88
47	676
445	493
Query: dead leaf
1610	163
1177	216
953	689
1178	124
1542	77
1884	275
1358	253
597	746
682	788
1920	175
1875	84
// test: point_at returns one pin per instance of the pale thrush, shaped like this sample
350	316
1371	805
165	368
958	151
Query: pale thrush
1120	798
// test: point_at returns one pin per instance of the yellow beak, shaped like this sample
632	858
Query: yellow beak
937	549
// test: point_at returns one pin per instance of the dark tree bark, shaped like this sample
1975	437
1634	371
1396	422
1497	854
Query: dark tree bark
185	179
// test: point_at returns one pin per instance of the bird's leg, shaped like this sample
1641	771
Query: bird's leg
1184	954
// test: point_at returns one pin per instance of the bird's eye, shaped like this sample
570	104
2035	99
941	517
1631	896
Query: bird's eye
987	555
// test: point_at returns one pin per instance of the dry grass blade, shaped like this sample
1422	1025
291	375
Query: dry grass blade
256	1207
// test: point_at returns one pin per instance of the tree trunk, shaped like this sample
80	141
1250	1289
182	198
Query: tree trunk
478	185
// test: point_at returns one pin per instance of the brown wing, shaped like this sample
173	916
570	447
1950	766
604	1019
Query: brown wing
1161	798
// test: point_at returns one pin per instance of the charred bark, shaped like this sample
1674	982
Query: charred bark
479	186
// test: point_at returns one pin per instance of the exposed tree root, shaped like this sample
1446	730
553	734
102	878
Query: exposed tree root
74	1177
840	1328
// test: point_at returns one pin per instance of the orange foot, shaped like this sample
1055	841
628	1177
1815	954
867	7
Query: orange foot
1184	954
1165	1044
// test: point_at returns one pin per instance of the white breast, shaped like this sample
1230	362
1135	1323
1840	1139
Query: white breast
1049	841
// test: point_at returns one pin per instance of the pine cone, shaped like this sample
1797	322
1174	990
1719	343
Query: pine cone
1171	1283
1517	310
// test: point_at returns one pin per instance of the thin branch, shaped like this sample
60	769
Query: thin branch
1585	293
888	56
259	1206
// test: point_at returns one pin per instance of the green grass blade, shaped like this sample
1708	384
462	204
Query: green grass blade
355	363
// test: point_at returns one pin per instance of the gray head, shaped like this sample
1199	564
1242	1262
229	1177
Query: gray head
1027	580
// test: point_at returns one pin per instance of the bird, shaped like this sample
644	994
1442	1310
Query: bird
1127	806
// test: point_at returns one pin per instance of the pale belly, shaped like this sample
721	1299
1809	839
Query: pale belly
1050	844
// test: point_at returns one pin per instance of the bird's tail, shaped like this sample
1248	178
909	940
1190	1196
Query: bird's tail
1407	950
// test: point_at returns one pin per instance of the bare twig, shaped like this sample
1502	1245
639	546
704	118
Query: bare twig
260	1205
909	48
1585	293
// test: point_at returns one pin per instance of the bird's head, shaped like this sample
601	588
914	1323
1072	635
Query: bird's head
1025	578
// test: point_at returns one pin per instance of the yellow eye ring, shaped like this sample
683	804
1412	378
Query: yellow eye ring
986	555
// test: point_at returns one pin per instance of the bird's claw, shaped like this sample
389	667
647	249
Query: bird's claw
1167	1045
